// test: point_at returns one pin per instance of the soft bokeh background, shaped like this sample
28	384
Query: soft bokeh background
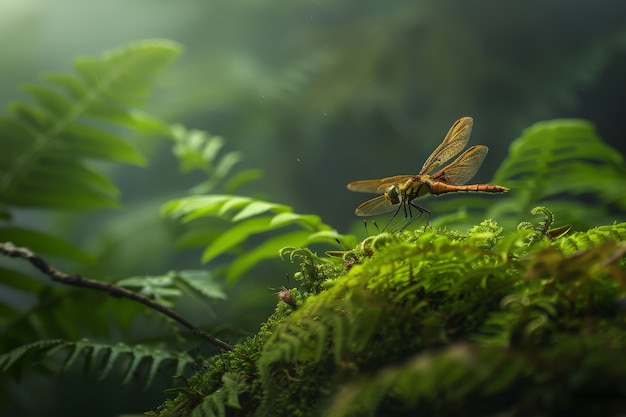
315	94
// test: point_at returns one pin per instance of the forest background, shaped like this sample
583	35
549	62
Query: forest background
313	95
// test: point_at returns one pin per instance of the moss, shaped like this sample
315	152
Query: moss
440	322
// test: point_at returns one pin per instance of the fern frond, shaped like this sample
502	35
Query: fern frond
98	357
217	403
197	150
556	159
47	146
592	237
248	217
165	288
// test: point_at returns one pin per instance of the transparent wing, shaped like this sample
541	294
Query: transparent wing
464	167
378	205
452	144
377	186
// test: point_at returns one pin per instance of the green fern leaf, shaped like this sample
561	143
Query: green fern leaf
96	355
107	362
47	146
135	361
234	236
562	157
166	288
196	149
248	217
82	346
203	282
23	355
592	237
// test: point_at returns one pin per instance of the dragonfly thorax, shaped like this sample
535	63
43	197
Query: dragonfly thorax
393	194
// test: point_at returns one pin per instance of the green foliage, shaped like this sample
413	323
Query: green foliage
170	286
47	146
197	150
49	149
439	322
556	161
397	324
592	237
247	217
54	151
216	404
222	223
98	358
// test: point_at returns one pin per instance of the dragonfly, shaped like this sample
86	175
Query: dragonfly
399	192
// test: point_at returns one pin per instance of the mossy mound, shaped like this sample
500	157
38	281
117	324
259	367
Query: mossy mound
436	322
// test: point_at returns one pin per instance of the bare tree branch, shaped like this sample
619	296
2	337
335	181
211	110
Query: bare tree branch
13	251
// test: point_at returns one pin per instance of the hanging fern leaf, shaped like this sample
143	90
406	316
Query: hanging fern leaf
47	146
249	217
197	150
98	357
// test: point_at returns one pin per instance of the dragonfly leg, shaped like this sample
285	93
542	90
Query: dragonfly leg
422	211
395	213
367	232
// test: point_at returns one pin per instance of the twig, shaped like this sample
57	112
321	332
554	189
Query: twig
13	251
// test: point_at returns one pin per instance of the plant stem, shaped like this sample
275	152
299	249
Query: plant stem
38	262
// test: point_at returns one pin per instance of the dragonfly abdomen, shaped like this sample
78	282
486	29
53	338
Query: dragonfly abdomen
438	188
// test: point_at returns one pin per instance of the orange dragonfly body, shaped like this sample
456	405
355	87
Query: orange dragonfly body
399	191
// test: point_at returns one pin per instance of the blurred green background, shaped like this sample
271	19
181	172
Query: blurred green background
315	94
318	93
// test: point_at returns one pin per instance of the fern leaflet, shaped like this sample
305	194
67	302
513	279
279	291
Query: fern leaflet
559	160
248	217
102	357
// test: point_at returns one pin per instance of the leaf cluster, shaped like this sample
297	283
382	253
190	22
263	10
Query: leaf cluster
53	150
56	151
242	219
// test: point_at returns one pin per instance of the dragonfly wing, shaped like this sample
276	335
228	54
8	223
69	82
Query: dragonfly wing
376	186
452	144
378	205
464	167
